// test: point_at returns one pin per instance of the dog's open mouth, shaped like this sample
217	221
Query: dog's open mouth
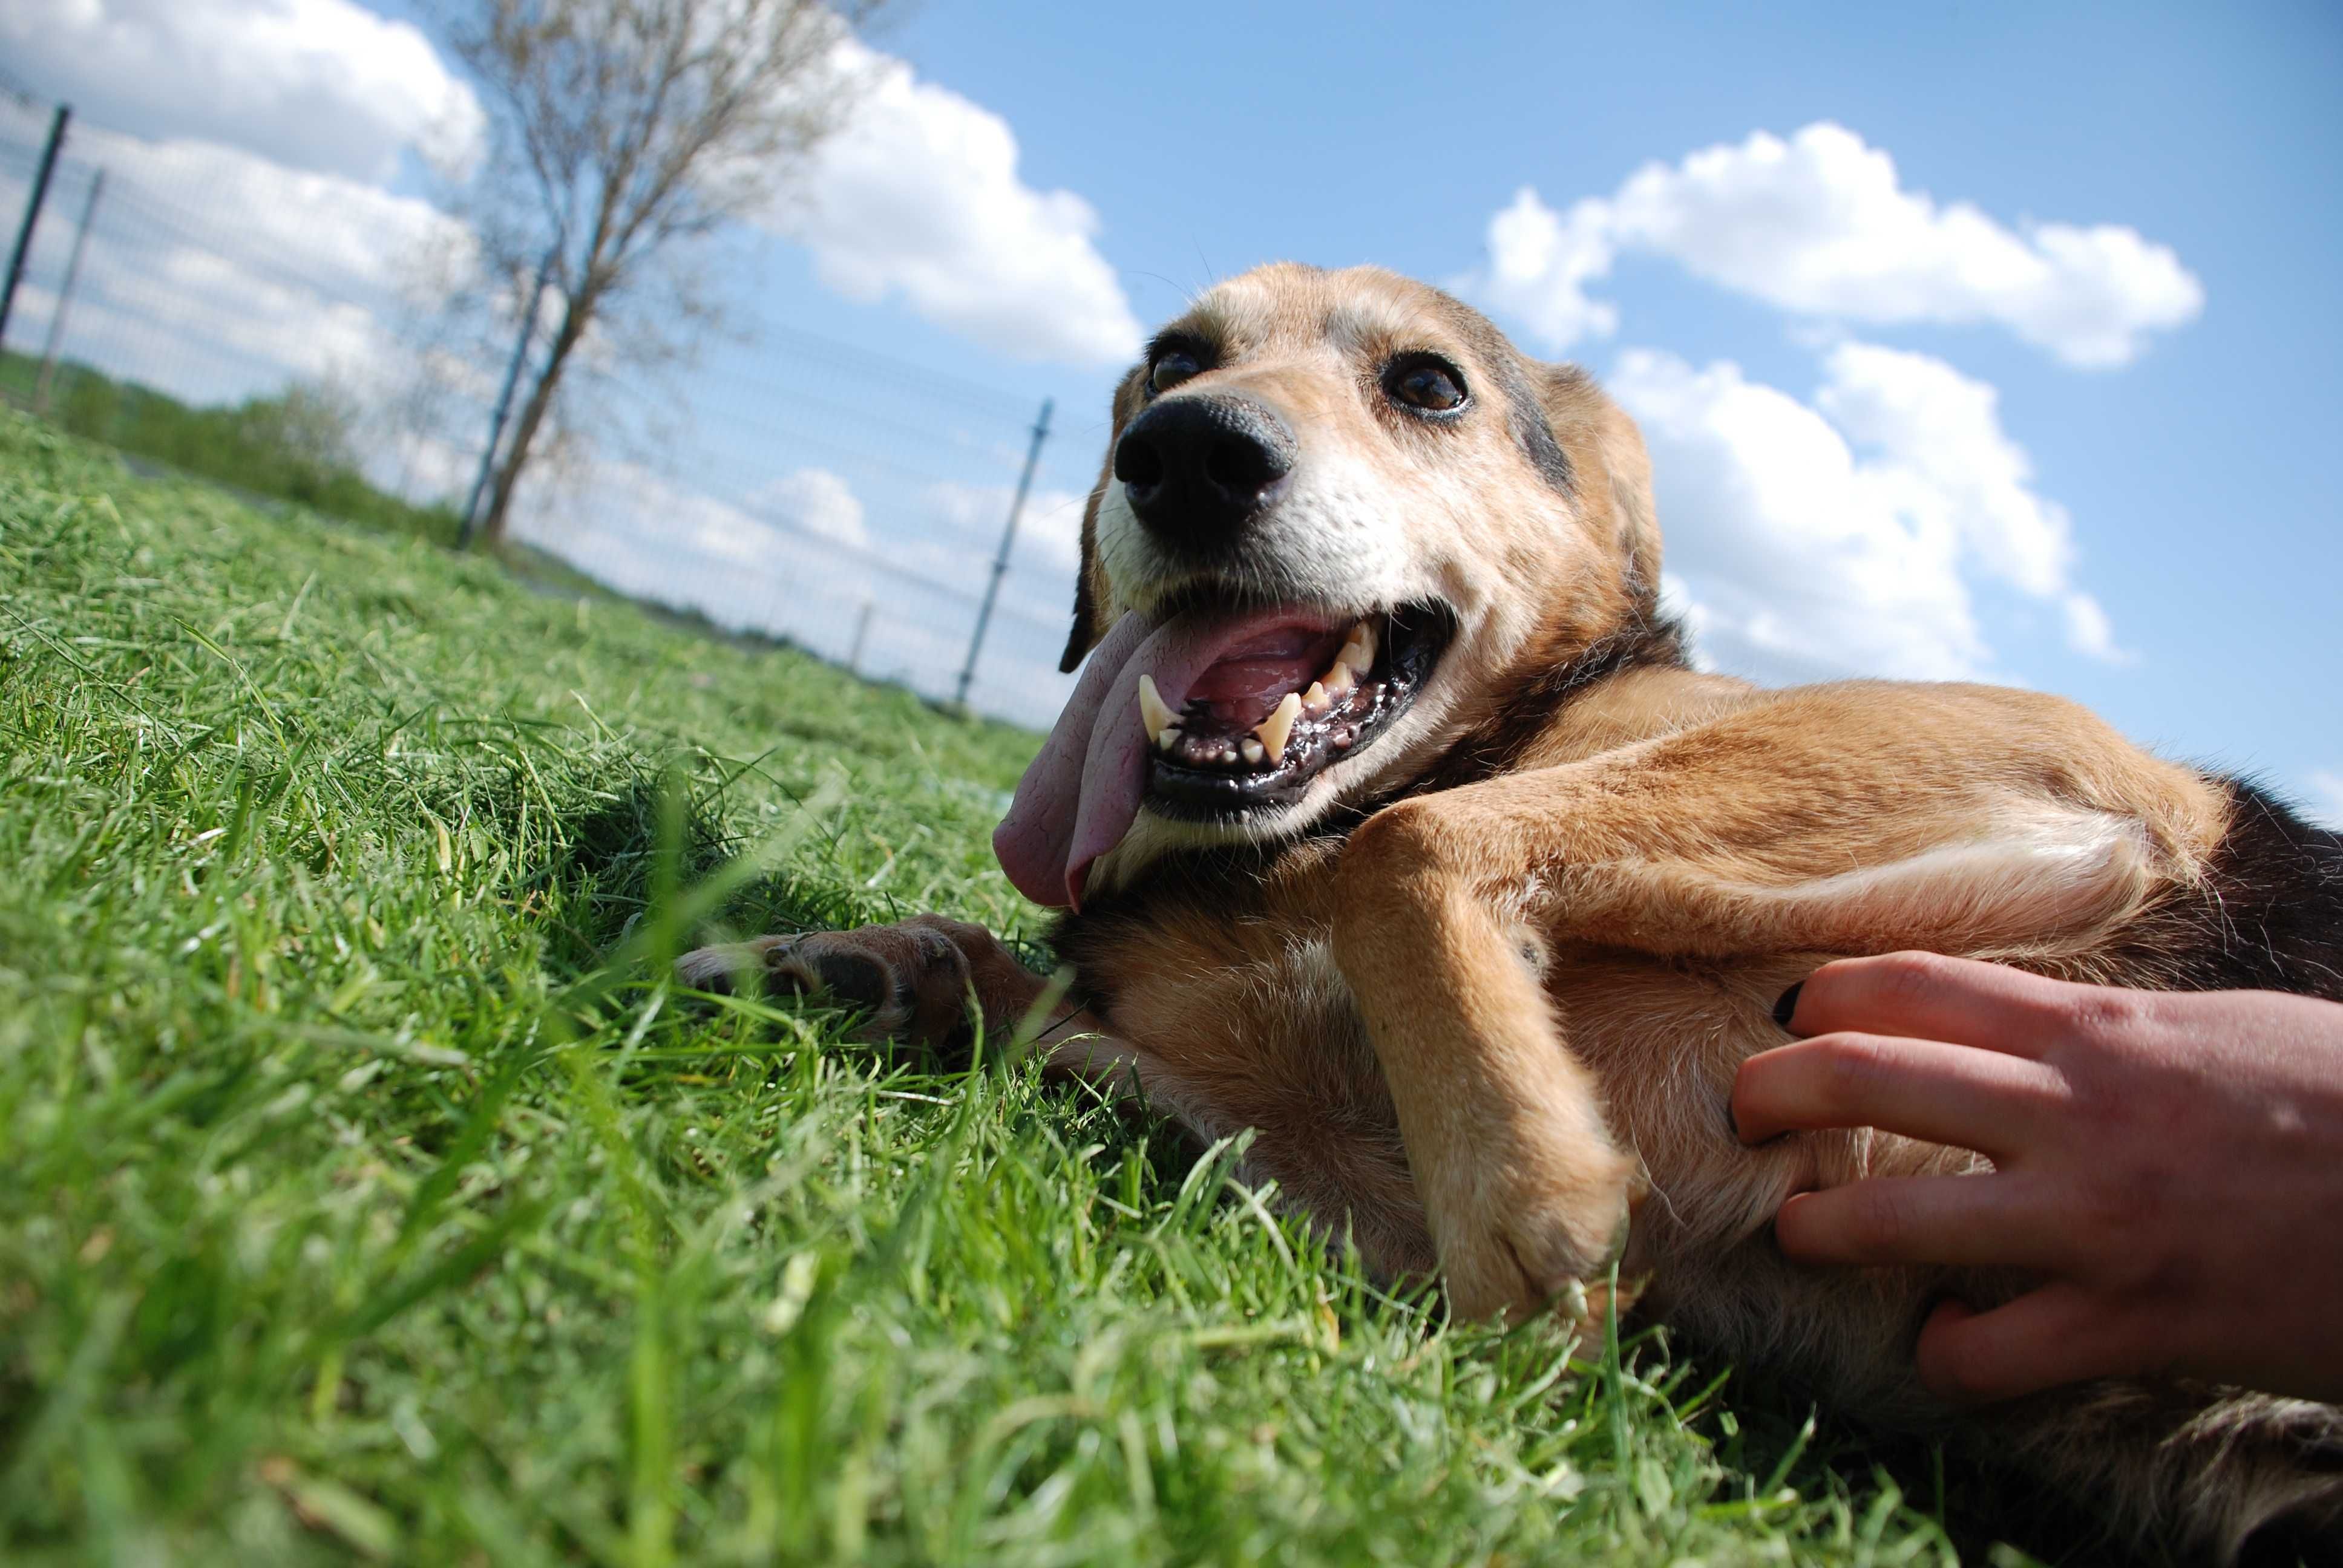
1208	712
1287	697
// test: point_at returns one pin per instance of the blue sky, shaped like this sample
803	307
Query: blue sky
2205	479
2185	484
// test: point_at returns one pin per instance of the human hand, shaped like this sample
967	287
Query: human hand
2171	1165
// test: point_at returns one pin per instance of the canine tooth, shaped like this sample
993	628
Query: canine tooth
1278	727
1316	702
1167	737
1152	710
1254	752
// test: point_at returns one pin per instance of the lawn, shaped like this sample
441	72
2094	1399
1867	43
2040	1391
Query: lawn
371	1196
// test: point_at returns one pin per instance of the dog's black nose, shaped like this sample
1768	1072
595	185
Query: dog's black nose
1197	469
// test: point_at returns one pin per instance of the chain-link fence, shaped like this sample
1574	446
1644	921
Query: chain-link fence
177	297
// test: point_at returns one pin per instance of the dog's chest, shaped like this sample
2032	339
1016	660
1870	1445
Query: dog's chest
1233	1001
1269	991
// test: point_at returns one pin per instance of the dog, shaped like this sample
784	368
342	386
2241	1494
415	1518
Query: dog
1391	820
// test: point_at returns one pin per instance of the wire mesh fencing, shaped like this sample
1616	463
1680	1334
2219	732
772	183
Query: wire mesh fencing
785	485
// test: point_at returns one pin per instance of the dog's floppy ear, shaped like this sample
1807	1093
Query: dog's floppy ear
1092	597
1609	467
1088	593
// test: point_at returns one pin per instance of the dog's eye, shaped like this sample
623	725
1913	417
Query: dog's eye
1432	384
1175	366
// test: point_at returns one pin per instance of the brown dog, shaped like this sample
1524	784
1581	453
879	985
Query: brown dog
1396	826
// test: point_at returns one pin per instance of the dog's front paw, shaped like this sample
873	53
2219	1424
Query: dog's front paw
911	981
1535	1229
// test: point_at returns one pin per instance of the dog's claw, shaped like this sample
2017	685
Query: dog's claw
1517	1247
911	981
718	968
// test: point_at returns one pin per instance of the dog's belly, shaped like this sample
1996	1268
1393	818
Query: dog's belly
1232	1025
1250	1025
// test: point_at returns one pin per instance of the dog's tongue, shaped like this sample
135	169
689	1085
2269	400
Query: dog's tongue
1083	792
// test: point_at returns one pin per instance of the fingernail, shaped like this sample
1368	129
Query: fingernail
1787	1006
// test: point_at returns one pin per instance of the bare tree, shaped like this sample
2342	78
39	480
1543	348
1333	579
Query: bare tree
624	130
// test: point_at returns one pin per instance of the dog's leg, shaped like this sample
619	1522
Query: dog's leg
1802	829
1523	1183
926	980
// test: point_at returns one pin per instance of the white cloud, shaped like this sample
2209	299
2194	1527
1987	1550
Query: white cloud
919	195
1539	262
1821	225
1049	530
1841	538
1799	569
214	274
2089	632
1039	586
1944	458
419	464
1949	459
653	537
297	223
813	502
324	84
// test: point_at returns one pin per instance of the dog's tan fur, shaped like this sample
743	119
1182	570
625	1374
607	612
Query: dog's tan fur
1486	988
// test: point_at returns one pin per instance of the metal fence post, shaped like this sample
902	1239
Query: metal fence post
33	212
65	295
862	635
1001	561
503	405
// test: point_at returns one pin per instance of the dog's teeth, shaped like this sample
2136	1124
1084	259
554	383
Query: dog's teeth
1278	727
1339	680
1153	711
1167	737
1359	650
1254	752
1316	702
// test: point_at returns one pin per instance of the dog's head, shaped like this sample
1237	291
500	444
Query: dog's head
1340	520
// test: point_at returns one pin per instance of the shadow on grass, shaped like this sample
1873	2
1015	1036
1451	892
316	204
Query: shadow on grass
1992	1514
615	860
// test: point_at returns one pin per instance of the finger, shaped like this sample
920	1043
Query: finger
2058	1334
1980	1222
1923	1089
1927	996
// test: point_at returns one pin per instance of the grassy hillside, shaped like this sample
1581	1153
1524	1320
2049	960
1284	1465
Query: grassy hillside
370	1197
297	446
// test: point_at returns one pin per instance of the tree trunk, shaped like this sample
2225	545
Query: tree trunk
532	415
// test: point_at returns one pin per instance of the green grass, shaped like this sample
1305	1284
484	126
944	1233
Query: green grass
369	1196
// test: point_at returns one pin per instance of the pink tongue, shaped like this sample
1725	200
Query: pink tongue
1081	794
1248	681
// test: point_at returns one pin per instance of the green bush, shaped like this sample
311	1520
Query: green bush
300	445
